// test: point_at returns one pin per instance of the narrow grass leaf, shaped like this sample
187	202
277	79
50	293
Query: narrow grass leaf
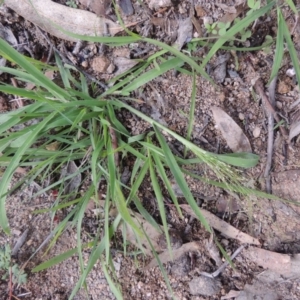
161	171
32	70
238	27
145	213
111	284
62	71
95	255
292	6
192	112
137	178
123	210
11	168
160	202
291	47
59	258
279	47
243	160
183	57
153	73
177	173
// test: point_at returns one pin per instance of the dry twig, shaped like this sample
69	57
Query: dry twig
270	135
224	265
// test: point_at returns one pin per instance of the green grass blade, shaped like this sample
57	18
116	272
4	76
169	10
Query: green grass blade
183	57
243	160
192	112
124	212
291	47
279	47
292	6
59	258
238	27
160	202
20	60
62	71
161	171
13	165
111	284
177	173
150	75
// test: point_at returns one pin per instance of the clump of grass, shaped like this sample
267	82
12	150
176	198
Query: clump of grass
86	130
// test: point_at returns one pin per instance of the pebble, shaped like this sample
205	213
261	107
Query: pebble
241	116
290	72
85	64
283	87
279	104
100	64
204	286
256	132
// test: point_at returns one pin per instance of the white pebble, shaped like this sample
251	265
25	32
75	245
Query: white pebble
290	72
256	132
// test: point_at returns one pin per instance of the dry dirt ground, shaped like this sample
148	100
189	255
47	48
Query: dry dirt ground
256	275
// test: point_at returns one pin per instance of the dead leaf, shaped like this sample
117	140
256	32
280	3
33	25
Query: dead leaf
30	86
2	63
230	17
294	130
220	67
99	7
177	253
231	132
213	250
21	240
155	4
200	11
7	35
47	15
226	8
222	226
123	64
184	32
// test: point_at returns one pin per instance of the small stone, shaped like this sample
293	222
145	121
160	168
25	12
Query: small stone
207	20
290	72
241	116
283	87
256	132
85	64
279	104
110	68
100	64
204	286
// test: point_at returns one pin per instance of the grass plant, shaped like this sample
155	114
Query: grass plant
85	129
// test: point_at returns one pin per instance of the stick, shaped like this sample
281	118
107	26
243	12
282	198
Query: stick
224	265
259	87
270	135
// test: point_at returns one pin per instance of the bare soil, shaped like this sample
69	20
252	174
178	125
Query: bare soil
167	99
